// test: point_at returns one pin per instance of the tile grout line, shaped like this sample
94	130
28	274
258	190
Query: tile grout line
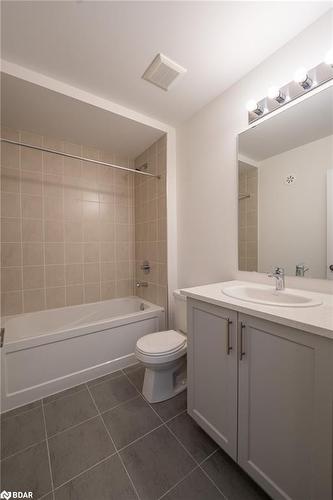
114	445
84	471
48	451
178	482
23	450
198	464
4	419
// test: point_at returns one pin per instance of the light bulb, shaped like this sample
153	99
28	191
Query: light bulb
329	58
275	93
302	78
251	105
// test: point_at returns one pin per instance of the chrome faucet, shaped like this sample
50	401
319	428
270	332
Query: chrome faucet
278	274
141	283
301	269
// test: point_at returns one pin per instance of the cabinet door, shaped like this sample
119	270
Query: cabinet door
212	372
285	410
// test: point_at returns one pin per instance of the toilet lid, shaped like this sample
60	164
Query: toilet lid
161	342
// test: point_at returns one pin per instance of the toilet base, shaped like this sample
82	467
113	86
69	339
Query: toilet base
162	382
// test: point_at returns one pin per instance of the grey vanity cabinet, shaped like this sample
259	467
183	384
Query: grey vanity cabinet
268	402
285	410
212	372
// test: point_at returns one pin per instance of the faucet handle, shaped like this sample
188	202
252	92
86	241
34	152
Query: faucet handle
277	271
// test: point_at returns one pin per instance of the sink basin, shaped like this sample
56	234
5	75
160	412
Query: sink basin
261	294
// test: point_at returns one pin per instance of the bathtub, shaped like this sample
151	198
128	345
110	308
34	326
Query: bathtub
48	351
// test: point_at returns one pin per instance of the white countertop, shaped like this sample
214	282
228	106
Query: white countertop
317	320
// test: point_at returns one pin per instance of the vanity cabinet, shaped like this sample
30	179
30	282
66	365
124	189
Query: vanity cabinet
268	403
212	372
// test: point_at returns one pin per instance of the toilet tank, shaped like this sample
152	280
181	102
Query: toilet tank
180	313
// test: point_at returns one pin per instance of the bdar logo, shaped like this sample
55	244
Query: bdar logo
5	494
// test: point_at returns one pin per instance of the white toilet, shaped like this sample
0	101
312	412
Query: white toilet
164	356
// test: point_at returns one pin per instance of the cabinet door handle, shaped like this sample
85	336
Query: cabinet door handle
229	346
242	350
2	336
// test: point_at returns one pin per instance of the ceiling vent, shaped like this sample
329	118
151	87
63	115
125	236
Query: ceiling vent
162	72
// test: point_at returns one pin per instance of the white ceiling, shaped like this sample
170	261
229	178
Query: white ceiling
104	47
25	106
290	129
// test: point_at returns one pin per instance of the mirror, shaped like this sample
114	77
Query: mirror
285	191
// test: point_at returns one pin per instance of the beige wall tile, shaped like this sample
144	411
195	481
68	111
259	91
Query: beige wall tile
74	274
74	253
32	206
31	183
10	155
91	252
54	253
70	224
11	254
92	293
33	254
10	205
31	159
11	303
91	272
54	230
11	279
74	295
33	300
54	275
10	180
11	230
33	277
55	297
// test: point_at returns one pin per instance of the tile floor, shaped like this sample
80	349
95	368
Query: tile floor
103	441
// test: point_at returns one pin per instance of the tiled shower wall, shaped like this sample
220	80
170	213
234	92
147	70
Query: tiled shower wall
248	218
67	227
150	224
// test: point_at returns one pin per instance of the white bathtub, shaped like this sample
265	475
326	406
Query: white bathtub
48	351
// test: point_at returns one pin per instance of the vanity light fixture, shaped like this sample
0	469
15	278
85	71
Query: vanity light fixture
275	93
329	58
302	78
253	107
305	80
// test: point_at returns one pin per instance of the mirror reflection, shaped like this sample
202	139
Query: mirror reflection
285	195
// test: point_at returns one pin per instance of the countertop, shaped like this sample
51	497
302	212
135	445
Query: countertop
317	320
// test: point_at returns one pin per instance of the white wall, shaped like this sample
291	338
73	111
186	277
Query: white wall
207	161
292	217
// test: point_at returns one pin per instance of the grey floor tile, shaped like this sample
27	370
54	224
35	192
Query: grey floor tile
27	471
130	421
78	448
171	407
112	392
22	431
109	376
156	462
68	411
21	409
196	486
136	373
106	481
67	392
195	440
234	483
49	496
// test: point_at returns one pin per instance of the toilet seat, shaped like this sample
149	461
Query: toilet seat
161	347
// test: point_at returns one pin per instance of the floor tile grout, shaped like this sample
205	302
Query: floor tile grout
4	419
48	451
85	470
60	398
118	454
178	482
23	450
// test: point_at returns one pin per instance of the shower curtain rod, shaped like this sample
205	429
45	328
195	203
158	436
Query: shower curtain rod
68	155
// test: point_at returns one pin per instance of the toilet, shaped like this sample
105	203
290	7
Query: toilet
163	355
